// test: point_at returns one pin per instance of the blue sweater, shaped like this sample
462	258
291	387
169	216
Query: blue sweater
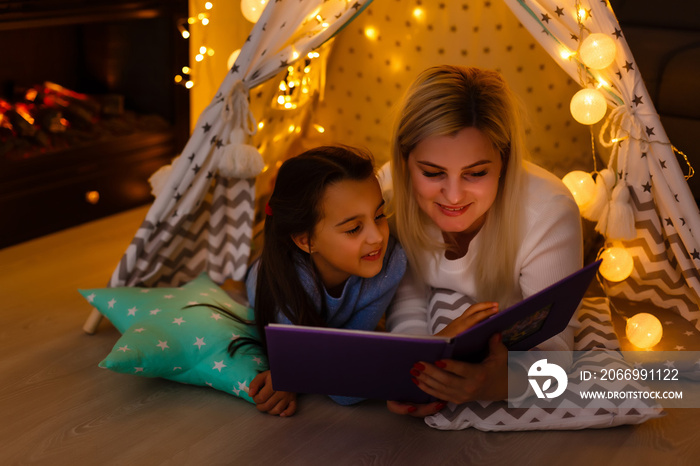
363	301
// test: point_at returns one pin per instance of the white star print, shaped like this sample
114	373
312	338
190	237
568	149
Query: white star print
169	296
124	349
139	330
669	364
132	311
257	360
236	391
680	348
177	368
138	369
228	305
155	311
199	343
178	321
192	303
234	336
243	386
689	333
218	365
163	345
216	316
111	303
91	297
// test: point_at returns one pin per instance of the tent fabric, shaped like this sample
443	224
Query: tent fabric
201	220
666	253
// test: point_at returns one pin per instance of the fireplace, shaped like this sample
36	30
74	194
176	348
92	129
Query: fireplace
88	108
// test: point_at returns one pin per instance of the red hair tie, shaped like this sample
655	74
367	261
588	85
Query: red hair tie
268	209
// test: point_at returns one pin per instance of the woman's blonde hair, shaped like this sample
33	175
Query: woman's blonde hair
442	101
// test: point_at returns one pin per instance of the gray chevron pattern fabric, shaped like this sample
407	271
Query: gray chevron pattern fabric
215	236
596	339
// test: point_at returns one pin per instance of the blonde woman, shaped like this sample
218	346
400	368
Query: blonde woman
474	218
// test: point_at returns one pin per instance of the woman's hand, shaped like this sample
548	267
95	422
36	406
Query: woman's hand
268	400
459	382
414	409
469	318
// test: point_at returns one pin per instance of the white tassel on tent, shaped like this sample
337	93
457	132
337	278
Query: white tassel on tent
604	183
238	159
159	178
622	225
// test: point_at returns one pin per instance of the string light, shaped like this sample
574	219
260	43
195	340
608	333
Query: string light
644	330
617	264
252	9
581	185
588	106
294	89
204	51
598	51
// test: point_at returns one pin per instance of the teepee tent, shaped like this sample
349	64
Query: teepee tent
202	218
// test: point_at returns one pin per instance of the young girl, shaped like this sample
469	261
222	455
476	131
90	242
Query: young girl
327	257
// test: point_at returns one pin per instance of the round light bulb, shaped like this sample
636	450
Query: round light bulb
252	9
581	185
588	106
617	264
598	51
644	330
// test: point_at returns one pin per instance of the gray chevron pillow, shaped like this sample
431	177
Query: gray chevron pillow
596	344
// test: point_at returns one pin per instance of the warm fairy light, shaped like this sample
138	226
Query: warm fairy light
252	9
261	125
566	54
644	330
31	94
582	14
202	50
598	51
319	128
295	55
205	21
371	33
199	57
92	197
588	106
617	264
581	185
185	34
208	5
210	52
291	128
186	69
189	84
191	20
602	82
288	105
280	100
418	13
283	86
178	79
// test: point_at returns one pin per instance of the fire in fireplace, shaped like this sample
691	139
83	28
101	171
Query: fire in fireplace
88	108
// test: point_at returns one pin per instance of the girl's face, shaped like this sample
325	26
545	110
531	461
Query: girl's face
352	235
455	179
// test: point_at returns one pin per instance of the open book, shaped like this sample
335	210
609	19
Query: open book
376	364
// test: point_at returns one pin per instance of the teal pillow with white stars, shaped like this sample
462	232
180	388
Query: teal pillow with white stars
163	337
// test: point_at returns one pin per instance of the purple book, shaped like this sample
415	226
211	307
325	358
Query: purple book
376	364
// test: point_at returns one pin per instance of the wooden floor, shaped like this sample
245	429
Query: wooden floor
57	407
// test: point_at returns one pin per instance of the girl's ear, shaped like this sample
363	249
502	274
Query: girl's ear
303	242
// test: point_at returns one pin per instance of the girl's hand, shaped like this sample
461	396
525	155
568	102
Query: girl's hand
460	382
471	316
413	409
268	400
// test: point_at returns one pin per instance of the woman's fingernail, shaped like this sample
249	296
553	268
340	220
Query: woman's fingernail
419	366
411	409
414	380
441	364
415	372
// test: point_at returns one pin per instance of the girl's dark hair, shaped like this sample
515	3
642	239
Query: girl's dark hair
296	208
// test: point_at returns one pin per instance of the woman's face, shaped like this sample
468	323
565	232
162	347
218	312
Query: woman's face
455	179
352	236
